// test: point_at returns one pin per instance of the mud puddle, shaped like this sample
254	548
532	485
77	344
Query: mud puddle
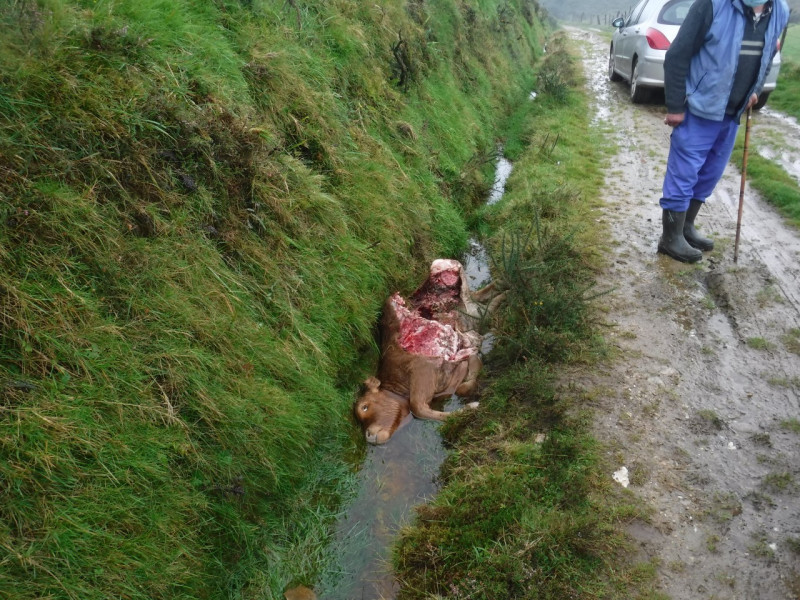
702	403
396	477
776	137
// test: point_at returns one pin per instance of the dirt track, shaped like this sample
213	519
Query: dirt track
702	403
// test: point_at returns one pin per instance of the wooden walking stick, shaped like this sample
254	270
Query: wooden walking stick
744	180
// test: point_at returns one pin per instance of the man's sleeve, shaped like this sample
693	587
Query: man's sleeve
688	42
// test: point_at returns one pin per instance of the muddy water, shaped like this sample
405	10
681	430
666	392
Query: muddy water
393	479
396	477
699	404
776	137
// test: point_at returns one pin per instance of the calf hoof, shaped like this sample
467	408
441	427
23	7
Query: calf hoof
473	405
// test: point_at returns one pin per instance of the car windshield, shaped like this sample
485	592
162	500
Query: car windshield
674	12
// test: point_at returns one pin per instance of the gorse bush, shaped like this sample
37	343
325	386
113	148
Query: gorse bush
202	207
548	291
558	72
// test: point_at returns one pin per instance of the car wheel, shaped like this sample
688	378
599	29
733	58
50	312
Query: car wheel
762	100
639	94
612	73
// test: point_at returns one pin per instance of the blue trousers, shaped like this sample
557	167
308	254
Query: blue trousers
699	150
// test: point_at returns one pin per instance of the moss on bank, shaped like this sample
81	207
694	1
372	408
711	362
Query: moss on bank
202	207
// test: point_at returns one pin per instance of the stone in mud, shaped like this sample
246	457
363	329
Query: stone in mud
622	477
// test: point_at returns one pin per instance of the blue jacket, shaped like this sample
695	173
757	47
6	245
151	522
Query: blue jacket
712	69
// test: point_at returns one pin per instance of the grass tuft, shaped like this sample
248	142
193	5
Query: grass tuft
792	425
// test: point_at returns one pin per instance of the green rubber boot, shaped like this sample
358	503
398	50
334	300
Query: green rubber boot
690	233
672	242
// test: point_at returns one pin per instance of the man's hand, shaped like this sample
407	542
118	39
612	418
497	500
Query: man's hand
674	119
753	100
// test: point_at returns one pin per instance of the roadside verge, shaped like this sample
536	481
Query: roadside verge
527	510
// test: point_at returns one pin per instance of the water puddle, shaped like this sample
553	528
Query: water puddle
393	479
776	137
787	159
476	265
502	172
396	477
779	116
596	67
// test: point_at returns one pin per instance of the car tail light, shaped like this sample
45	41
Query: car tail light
656	40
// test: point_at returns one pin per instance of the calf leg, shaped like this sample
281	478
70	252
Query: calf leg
424	411
496	302
467	386
485	294
423	383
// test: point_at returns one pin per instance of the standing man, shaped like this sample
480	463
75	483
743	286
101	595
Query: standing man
713	72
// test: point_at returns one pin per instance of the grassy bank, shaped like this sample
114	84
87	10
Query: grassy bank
202	207
528	509
778	187
784	98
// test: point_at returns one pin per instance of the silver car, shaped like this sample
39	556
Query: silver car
640	43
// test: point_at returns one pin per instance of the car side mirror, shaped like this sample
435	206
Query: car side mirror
618	22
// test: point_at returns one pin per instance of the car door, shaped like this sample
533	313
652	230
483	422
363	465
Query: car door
628	36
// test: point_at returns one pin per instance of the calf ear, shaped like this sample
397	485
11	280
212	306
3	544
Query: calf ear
372	383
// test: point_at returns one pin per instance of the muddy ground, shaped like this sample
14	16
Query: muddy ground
701	404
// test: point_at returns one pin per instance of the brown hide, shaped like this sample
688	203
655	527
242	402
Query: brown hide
428	350
381	412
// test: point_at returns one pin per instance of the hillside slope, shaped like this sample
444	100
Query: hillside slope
202	207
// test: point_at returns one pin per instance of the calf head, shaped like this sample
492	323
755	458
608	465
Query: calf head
380	412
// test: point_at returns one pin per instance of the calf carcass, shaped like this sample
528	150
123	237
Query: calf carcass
429	349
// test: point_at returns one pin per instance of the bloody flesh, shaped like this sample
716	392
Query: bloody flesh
427	326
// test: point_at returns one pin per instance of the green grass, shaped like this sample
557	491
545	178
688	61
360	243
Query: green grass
711	418
759	343
778	482
784	98
722	508
519	518
791	340
793	543
760	547
791	46
776	185
792	425
202	208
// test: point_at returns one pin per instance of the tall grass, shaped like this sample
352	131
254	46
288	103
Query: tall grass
202	208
